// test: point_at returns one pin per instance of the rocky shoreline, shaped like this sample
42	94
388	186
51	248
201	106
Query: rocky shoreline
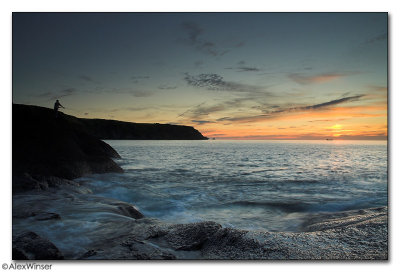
69	222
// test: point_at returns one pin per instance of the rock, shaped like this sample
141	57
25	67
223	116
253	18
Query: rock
18	255
36	215
130	249
117	207
233	244
128	210
191	236
354	238
30	246
142	250
55	182
47	216
88	254
24	182
45	146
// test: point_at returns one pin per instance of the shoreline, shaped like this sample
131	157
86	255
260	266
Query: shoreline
81	225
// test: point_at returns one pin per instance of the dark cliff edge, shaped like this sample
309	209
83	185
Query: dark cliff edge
46	151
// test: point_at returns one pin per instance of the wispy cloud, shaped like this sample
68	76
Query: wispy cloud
193	32
242	67
270	114
377	38
140	93
44	95
66	92
217	83
133	92
140	77
89	79
190	109
203	109
246	119
217	134
320	78
202	122
331	103
198	63
167	87
119	109
86	78
137	79
248	69
57	95
327	120
136	108
250	108
194	38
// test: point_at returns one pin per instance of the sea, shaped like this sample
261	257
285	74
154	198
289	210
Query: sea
246	184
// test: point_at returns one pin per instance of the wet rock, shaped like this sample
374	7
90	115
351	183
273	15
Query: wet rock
143	250
37	215
130	249
359	236
148	228
46	216
128	210
55	182
88	254
31	246
230	243
326	221
191	236
24	182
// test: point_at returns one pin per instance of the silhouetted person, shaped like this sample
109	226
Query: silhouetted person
57	105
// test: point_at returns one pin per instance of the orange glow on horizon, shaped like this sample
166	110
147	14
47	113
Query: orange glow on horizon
359	122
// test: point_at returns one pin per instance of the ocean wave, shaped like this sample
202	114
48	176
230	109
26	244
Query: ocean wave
291	207
287	207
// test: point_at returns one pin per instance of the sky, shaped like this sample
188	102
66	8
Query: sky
229	75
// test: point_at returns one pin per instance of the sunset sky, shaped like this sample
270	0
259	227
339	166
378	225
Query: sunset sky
230	75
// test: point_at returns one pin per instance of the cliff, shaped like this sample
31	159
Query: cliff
46	150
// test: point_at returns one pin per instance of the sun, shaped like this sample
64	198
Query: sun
336	130
336	127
